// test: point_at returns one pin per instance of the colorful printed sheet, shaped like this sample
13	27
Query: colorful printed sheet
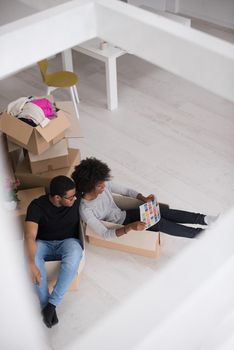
150	213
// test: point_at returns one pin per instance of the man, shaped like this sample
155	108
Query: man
52	233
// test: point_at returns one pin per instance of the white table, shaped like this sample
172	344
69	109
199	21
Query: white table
108	56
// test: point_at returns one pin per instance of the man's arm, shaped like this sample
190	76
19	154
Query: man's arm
31	229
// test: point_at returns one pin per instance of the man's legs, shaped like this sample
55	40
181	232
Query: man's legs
44	252
70	253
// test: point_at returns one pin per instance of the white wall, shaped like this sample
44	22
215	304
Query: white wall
197	57
43	4
215	11
156	4
182	311
193	55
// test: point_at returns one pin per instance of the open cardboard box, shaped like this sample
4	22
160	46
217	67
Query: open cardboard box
12	146
146	243
29	180
9	159
56	157
34	139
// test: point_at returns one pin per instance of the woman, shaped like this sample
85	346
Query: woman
93	184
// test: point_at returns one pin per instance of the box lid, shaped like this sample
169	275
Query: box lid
23	166
55	127
57	150
11	125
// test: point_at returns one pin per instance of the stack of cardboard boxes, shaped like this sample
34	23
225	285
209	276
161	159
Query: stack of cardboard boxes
38	154
34	155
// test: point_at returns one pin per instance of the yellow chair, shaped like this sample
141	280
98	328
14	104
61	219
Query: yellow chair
61	79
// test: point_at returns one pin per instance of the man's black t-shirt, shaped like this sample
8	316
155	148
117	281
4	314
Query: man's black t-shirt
54	223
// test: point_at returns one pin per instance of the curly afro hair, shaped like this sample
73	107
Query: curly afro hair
88	173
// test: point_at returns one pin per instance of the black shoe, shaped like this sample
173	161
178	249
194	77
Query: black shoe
48	315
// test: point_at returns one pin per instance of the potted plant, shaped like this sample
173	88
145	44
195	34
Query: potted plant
11	197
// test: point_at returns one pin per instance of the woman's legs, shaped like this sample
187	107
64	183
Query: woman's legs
132	215
182	216
174	229
169	223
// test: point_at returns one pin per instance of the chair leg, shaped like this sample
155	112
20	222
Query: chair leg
74	102
76	93
50	89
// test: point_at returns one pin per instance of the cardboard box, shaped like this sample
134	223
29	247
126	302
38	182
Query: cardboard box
6	160
12	146
56	157
74	131
15	152
146	243
25	197
29	180
34	139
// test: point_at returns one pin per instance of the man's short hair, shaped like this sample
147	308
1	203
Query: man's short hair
59	185
88	173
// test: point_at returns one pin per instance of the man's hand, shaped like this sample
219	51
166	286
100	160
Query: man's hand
144	199
137	226
35	273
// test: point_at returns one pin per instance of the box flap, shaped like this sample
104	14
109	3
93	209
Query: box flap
55	127
23	166
58	150
15	128
68	108
11	146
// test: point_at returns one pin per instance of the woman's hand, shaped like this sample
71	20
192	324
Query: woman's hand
149	198
137	226
144	199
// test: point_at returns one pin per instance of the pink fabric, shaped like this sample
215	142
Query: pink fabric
46	106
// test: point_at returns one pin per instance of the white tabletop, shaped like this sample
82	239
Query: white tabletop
93	47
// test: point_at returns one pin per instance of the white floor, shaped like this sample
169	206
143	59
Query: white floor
168	137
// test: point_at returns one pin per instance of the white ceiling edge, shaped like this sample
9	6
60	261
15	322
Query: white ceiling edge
186	52
41	35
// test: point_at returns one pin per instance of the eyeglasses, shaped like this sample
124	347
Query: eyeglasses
70	198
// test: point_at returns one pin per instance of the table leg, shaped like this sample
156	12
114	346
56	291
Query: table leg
67	60
111	84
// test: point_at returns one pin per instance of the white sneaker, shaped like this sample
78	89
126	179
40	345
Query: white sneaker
209	219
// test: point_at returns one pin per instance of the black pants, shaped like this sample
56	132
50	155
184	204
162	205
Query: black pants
171	220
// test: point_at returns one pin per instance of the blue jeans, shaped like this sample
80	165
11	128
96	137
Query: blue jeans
70	252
